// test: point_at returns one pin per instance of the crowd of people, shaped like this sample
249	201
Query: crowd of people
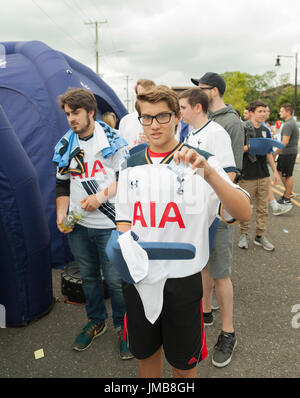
166	310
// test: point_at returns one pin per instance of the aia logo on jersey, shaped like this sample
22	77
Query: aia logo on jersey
97	168
171	208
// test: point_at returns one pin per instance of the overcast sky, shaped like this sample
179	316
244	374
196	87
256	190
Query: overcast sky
168	41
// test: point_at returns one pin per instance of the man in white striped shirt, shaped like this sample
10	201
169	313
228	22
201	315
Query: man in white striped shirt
92	187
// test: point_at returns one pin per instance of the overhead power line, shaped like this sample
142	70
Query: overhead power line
53	21
81	10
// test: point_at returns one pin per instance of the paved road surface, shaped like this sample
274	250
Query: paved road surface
266	287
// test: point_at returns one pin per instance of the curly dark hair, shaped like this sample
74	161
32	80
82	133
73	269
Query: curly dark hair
78	98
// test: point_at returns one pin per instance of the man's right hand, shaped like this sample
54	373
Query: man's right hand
59	221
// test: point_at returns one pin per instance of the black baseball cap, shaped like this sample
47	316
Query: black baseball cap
212	79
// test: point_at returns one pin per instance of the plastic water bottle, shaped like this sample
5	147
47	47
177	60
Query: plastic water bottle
72	218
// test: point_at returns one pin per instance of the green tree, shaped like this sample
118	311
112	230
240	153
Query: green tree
236	89
258	84
288	95
274	90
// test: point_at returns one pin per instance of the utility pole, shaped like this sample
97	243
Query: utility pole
127	92
96	23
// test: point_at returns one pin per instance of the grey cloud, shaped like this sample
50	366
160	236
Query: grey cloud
165	40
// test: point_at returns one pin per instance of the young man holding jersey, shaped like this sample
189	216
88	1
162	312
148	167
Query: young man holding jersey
150	203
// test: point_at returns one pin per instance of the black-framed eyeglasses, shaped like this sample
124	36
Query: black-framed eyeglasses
161	118
206	88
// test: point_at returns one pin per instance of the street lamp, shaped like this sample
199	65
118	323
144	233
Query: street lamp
295	88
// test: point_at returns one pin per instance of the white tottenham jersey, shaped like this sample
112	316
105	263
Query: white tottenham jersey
99	174
161	209
213	138
130	129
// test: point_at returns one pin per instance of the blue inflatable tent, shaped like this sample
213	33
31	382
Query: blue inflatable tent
25	268
31	79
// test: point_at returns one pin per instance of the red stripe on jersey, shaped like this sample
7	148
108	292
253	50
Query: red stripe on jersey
158	155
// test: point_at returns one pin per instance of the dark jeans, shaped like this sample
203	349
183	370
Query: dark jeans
88	248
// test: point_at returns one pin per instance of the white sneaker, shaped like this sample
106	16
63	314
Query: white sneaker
263	241
282	209
243	242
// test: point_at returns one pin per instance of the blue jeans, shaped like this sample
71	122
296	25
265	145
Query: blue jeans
88	248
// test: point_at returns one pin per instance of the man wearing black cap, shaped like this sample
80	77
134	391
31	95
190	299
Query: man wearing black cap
219	266
214	86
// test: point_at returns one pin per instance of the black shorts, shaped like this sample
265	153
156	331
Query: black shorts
179	328
285	164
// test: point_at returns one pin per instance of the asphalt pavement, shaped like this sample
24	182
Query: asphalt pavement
266	292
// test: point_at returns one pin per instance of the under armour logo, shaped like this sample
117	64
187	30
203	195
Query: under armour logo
199	143
134	184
